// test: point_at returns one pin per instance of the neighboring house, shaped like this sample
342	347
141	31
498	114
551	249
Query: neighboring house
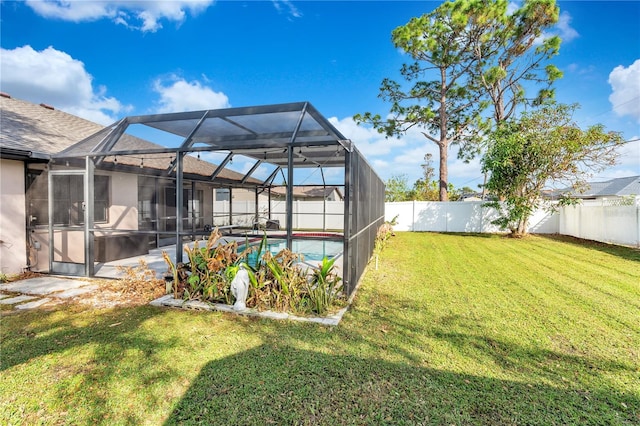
310	193
471	196
131	193
610	189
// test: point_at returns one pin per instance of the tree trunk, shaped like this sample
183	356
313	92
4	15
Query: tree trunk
444	142
521	229
444	186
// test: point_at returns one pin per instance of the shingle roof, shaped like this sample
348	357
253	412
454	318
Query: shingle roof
308	191
40	131
629	185
620	187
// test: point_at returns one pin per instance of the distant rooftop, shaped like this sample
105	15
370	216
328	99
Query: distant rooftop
619	187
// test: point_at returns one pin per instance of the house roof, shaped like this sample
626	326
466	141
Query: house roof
629	185
31	131
307	191
619	187
39	130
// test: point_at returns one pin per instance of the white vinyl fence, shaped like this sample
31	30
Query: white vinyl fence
311	215
608	220
611	221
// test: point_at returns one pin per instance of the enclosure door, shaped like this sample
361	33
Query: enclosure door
66	222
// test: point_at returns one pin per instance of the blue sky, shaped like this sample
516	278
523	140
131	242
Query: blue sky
103	60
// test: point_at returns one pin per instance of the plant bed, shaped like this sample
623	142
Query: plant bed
218	274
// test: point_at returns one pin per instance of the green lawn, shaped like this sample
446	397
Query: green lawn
451	329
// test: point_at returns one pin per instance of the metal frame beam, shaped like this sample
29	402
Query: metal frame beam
221	166
89	255
179	200
250	172
188	141
290	149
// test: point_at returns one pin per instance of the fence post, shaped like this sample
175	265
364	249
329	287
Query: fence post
638	221
413	216
446	216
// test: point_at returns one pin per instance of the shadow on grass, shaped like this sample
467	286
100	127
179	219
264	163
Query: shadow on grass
37	333
275	384
81	357
628	253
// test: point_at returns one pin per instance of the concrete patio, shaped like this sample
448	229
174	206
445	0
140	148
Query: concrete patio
35	292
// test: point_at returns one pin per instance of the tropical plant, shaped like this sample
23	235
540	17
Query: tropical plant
212	268
177	277
285	280
324	287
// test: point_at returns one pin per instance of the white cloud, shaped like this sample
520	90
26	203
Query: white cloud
630	155
625	97
367	140
566	31
141	15
177	95
55	78
390	157
285	6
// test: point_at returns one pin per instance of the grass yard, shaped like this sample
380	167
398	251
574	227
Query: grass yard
451	329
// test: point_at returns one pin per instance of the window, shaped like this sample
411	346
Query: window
222	194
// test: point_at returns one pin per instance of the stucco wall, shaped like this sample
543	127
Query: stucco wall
123	212
13	251
207	203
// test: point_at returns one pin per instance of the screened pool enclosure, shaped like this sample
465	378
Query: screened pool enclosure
152	181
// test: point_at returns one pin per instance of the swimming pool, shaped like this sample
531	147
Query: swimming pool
312	250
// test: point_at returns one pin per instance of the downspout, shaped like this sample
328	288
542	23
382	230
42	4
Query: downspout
27	214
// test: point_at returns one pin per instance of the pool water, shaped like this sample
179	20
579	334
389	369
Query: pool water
312	250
